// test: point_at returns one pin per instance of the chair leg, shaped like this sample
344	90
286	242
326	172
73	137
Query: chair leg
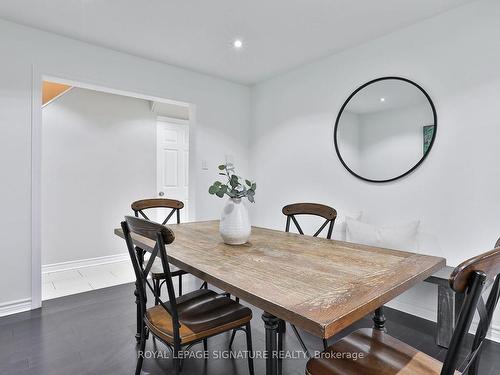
138	314
177	361
474	367
301	342
205	345
180	285
325	344
232	339
181	365
140	353
204	285
157	290
248	331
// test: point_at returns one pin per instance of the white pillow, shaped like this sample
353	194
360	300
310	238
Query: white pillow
401	237
339	228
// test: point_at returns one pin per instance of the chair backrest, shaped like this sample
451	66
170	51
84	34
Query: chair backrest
471	278
315	209
162	236
144	204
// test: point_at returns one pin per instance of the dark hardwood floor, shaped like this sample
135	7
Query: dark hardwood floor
93	333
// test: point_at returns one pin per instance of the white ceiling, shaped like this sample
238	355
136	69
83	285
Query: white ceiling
197	34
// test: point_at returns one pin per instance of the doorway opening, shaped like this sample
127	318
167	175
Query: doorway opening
99	150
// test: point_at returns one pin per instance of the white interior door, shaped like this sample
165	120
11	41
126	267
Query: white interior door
172	175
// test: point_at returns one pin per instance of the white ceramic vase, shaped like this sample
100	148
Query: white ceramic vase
234	222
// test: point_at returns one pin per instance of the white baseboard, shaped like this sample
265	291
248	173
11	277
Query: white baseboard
14	307
81	263
493	333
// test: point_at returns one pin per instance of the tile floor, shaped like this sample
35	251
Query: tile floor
64	283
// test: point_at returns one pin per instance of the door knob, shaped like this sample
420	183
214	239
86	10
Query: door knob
161	193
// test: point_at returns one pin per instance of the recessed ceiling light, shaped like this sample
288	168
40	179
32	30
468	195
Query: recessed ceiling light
382	100
237	43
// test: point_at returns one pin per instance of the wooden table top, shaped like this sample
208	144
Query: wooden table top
320	285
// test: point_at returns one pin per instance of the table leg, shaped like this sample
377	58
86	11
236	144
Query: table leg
379	319
281	336
271	323
140	258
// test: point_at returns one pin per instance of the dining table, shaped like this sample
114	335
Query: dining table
321	286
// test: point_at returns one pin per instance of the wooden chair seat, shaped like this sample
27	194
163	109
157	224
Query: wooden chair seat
381	354
202	313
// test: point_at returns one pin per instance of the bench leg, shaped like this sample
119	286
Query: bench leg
446	315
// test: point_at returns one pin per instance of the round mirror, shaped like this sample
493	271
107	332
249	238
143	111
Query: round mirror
385	129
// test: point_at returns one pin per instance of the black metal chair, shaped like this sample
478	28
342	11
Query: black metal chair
315	209
176	206
185	320
384	354
145	204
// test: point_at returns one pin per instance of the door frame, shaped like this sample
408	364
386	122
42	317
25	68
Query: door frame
38	76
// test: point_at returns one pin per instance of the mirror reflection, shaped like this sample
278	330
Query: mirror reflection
385	129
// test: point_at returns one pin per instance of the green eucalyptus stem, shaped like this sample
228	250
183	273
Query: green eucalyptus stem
233	188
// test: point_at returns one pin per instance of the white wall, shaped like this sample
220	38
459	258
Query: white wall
98	155
455	57
222	115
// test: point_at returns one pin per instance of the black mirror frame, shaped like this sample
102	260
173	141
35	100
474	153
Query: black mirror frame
434	114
